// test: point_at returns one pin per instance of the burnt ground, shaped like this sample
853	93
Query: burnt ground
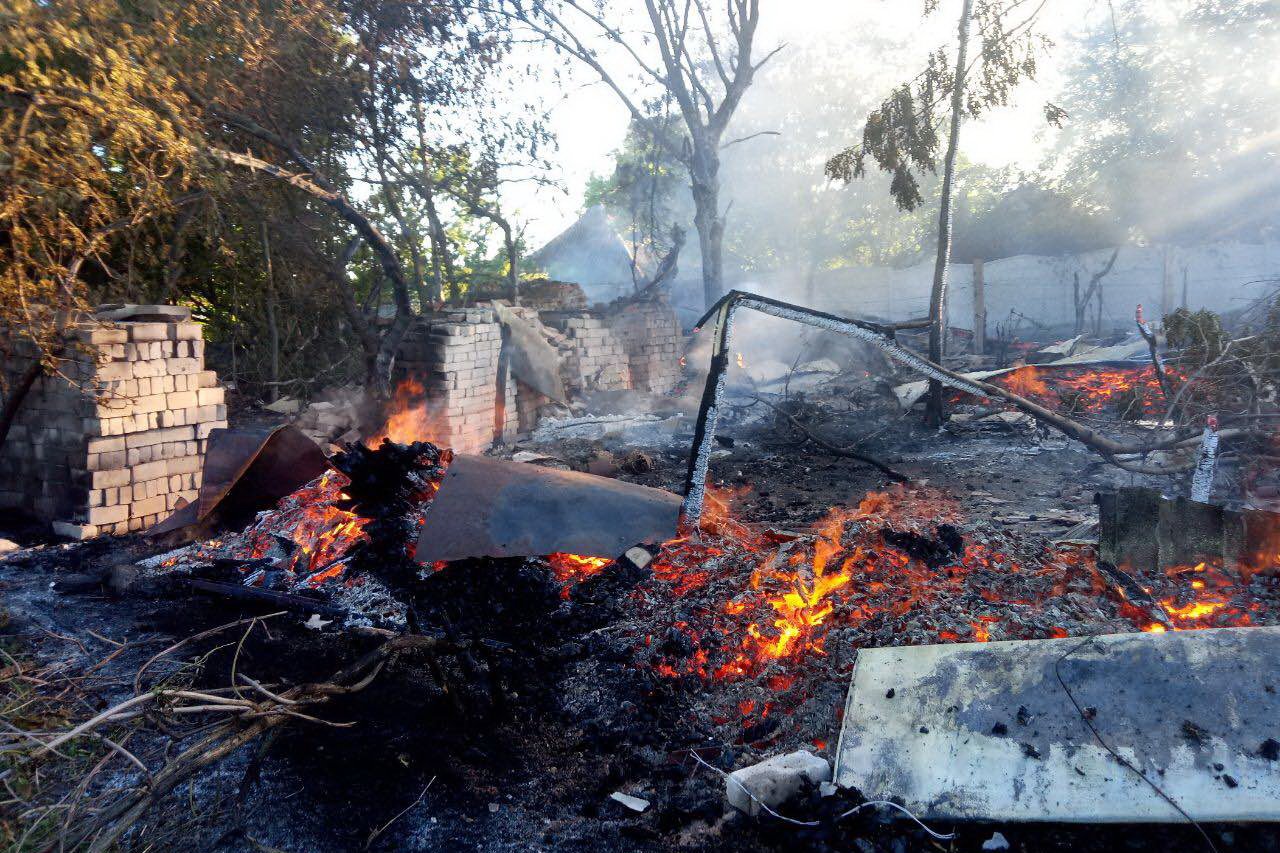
578	719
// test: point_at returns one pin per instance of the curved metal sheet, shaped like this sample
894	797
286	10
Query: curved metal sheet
246	470
498	508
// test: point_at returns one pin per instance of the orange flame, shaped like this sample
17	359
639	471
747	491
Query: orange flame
570	569
1025	382
408	416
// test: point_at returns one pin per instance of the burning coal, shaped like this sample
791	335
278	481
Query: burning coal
1127	392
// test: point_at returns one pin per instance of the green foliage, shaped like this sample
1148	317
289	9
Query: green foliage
902	136
1173	114
1199	335
110	111
647	188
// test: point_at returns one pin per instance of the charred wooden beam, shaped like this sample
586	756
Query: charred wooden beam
272	597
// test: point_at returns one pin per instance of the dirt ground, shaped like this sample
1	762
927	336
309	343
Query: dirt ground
537	775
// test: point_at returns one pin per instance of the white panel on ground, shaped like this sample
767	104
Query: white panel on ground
986	731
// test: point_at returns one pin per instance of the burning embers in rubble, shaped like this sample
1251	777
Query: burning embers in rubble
743	603
1127	392
352	527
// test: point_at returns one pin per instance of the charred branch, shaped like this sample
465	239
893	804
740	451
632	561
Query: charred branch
847	452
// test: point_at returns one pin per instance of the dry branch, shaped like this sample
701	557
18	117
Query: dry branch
847	452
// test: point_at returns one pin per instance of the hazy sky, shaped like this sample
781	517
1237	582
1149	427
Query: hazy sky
590	121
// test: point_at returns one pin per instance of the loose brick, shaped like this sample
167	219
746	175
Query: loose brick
116	370
150	471
148	331
100	515
180	366
149	506
159	436
211	396
203	430
75	531
102	335
184	465
185	331
150	368
183	399
107	479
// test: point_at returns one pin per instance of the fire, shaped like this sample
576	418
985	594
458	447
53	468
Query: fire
1025	382
771	602
1086	388
408	418
320	532
1205	602
570	569
799	584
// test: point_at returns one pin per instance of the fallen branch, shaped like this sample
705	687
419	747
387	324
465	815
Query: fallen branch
849	453
108	824
1157	363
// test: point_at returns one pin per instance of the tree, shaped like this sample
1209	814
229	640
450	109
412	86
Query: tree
1173	119
94	145
644	190
703	62
902	135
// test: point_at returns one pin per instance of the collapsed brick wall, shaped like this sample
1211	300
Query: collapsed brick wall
454	355
116	448
594	358
651	337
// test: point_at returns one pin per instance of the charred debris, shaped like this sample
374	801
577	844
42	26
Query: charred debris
403	647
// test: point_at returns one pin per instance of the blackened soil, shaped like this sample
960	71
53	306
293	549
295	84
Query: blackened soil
551	714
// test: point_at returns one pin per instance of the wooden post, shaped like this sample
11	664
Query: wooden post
1167	303
979	309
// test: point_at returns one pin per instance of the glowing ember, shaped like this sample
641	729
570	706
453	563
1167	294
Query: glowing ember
1025	382
781	597
321	532
570	569
1121	390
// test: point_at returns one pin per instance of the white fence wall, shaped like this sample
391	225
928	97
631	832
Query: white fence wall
1221	277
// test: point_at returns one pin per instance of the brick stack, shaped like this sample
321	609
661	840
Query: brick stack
651	335
595	359
117	451
454	355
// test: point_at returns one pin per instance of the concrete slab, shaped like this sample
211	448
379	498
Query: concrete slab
985	731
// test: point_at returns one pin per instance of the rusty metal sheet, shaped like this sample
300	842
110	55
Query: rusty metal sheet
245	471
498	508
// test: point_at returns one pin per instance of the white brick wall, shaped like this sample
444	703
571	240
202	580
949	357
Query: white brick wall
117	453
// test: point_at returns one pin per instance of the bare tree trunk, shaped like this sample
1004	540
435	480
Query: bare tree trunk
705	184
513	260
13	402
979	308
441	265
1075	300
273	327
938	296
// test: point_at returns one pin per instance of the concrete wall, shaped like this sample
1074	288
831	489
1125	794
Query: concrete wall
1221	277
